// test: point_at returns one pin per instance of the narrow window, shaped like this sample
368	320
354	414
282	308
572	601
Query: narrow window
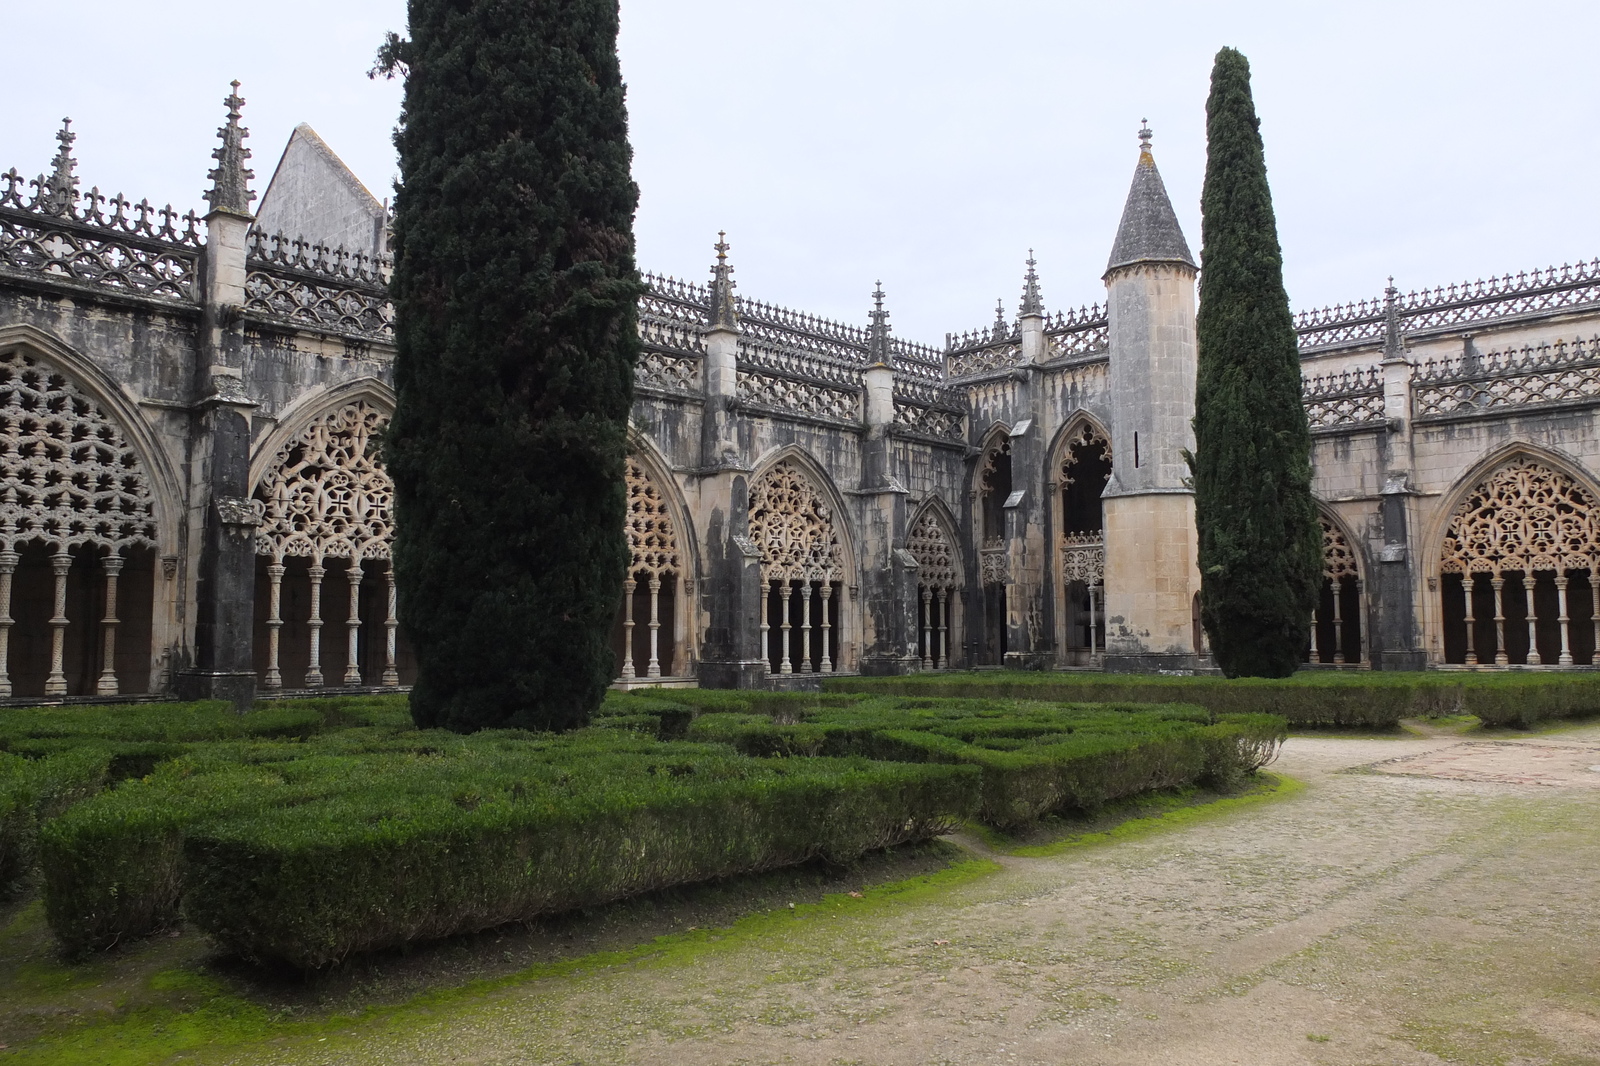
1136	449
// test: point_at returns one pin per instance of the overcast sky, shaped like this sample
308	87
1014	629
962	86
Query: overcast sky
924	142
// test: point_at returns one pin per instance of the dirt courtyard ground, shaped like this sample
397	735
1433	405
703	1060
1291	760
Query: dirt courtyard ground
1418	901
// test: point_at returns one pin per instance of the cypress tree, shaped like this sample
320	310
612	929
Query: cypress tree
1260	545
515	301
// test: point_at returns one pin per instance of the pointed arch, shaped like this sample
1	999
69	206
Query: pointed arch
80	390
827	495
312	406
1515	559
1339	622
652	636
932	541
799	525
325	498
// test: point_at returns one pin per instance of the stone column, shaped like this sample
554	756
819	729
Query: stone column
391	624
107	683
888	571
222	519
8	570
275	572
60	565
1396	638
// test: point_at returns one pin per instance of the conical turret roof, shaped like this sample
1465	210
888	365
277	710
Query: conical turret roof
1149	232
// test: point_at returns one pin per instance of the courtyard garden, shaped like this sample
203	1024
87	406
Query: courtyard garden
187	883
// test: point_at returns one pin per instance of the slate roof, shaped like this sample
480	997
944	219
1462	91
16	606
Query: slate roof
1149	232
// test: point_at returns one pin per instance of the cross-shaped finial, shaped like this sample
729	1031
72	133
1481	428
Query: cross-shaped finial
1144	134
234	102
722	245
877	294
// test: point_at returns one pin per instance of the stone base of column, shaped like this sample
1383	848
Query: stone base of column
743	673
1156	663
1030	660
1409	659
889	665
237	687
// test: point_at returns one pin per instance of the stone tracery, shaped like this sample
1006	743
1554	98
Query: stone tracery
792	526
1525	519
69	478
653	545
326	497
1339	600
939	587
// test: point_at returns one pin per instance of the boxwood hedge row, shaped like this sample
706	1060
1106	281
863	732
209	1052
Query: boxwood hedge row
1310	699
305	853
1036	758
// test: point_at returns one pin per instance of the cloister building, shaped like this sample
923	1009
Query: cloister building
191	501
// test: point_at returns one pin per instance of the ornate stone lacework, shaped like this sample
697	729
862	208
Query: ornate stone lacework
68	475
1523	517
984	360
935	555
674	373
1338	561
994	562
1347	398
793	527
1085	436
930	420
325	495
317	303
1083	558
799	397
650	535
1552	373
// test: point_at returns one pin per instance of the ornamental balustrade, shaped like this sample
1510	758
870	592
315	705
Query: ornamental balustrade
1545	374
941	422
1524	531
1344	398
309	285
67	237
1561	288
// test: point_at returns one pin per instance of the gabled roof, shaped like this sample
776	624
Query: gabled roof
1149	232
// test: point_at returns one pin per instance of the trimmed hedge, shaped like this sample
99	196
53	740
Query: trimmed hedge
305	853
33	791
1036	758
1310	699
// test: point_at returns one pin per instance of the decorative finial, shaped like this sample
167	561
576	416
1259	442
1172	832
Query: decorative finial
230	181
1002	328
61	190
1393	343
1032	301
878	337
1144	142
723	315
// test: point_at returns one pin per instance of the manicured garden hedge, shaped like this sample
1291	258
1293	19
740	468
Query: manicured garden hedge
1036	758
1310	699
304	853
35	790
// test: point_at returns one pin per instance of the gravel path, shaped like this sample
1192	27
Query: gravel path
1380	916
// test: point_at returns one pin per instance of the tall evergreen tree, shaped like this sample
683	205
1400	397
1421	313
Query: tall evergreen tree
1260	545
515	300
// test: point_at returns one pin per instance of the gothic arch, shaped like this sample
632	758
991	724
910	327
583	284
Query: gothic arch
1079	467
1339	621
98	387
808	565
843	523
87	501
658	594
1515	560
325	499
309	408
933	542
